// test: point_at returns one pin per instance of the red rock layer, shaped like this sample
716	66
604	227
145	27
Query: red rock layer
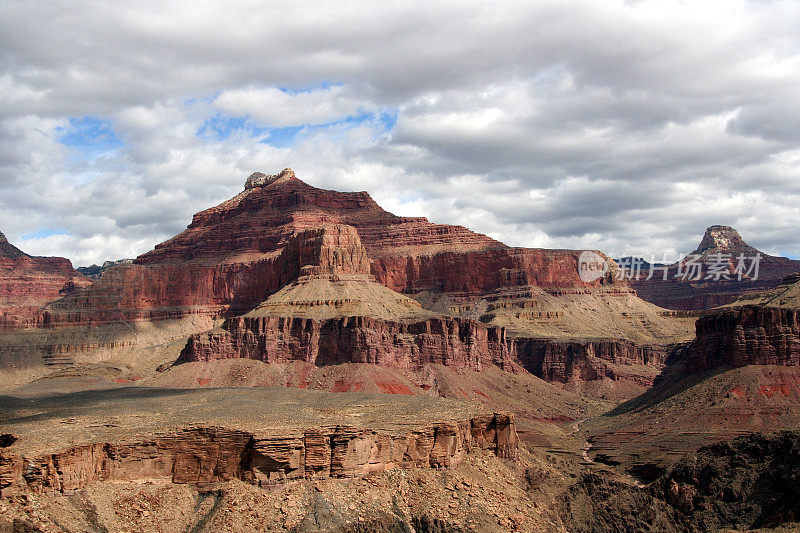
570	361
750	335
204	455
228	259
447	341
327	250
28	283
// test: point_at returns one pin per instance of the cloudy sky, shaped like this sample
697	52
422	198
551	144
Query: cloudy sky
627	126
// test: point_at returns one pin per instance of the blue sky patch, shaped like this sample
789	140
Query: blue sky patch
311	87
283	137
220	127
388	119
89	136
43	233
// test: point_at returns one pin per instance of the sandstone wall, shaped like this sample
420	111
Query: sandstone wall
749	335
447	341
28	283
569	361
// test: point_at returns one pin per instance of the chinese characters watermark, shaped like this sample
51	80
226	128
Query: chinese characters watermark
693	267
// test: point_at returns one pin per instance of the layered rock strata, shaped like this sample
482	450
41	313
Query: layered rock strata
211	454
301	273
571	361
336	313
748	335
29	283
360	339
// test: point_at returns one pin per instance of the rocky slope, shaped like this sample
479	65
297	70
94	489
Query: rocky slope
686	410
679	291
747	483
741	374
29	283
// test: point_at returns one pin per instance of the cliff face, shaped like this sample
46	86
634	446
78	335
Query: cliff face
447	341
331	315
29	283
210	454
749	335
565	362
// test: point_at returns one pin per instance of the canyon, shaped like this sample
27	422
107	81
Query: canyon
288	272
306	342
741	374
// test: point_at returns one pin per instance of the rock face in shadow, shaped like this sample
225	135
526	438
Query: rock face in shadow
210	454
29	283
569	361
737	485
749	482
748	335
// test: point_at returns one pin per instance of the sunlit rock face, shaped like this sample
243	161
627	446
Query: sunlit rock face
29	283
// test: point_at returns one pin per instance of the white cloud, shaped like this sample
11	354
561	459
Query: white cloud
615	125
280	108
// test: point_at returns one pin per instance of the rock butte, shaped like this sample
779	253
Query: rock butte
676	293
304	274
227	260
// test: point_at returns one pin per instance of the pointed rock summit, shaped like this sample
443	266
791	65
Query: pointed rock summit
676	292
8	250
723	239
28	283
